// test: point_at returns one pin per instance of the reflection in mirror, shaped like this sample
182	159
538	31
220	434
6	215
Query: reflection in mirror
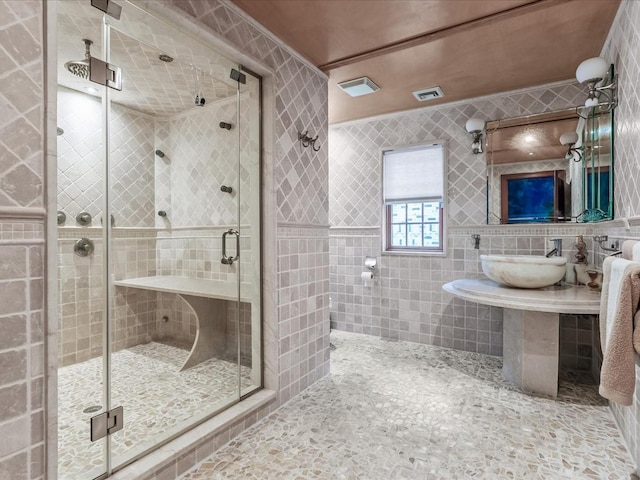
594	194
534	178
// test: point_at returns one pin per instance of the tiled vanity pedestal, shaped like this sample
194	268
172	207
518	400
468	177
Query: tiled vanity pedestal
531	327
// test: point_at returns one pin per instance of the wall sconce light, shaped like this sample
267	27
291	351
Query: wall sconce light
569	139
475	126
592	72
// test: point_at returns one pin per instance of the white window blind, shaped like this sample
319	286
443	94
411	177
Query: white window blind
414	174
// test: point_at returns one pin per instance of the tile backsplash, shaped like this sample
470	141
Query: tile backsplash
406	300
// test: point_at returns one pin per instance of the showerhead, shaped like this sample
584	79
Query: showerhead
81	68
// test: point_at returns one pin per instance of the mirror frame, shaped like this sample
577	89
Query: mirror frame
578	182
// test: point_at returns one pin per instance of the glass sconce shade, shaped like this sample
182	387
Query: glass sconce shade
592	70
569	138
474	125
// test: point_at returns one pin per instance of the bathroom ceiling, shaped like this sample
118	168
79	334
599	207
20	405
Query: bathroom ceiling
467	47
149	84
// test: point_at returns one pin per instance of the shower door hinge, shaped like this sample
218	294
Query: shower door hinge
238	77
104	73
107	6
107	423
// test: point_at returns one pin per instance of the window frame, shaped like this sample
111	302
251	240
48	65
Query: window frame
386	221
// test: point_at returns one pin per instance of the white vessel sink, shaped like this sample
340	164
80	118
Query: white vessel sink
524	271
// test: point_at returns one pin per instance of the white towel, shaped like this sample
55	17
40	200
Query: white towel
619	329
618	268
631	250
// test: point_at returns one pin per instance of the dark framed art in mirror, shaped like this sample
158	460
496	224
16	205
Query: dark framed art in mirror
533	178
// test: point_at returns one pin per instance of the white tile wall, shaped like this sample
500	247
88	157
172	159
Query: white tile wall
202	157
80	161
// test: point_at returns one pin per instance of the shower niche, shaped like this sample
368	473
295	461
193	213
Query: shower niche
162	317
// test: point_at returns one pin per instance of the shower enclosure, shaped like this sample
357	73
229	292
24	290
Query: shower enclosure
159	235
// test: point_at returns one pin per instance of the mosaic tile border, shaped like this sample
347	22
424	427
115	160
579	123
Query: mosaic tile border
296	231
21	230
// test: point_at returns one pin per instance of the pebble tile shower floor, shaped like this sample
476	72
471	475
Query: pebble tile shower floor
393	410
147	382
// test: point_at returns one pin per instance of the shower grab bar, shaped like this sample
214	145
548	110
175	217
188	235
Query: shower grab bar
227	260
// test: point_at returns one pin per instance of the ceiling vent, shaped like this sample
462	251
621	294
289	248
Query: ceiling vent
359	86
430	93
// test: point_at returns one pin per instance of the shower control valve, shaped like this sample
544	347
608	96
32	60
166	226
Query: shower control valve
83	247
84	218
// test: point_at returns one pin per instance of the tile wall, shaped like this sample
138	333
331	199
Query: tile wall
354	158
622	49
81	293
21	73
81	290
301	187
23	323
300	105
200	158
80	167
303	272
406	301
301	203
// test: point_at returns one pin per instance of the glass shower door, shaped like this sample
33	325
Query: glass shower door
250	279
81	313
175	246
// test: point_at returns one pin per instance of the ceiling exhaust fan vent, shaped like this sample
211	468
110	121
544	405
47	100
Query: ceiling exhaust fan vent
359	86
431	93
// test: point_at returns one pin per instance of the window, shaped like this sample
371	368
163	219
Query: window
413	185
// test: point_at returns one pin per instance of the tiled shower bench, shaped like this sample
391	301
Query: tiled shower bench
207	298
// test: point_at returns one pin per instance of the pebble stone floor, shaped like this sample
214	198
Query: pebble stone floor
156	396
394	410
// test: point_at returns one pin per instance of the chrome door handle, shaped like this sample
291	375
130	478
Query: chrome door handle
227	260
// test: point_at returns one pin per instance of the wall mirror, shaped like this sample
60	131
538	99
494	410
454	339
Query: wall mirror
533	178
